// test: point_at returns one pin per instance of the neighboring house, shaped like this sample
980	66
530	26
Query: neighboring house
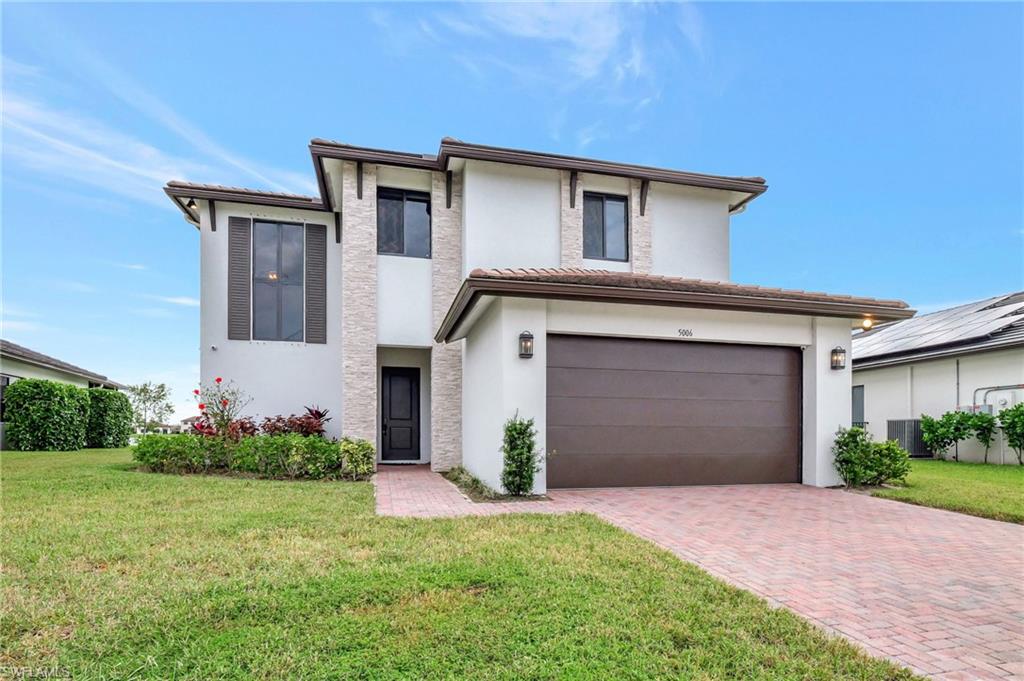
188	424
18	362
969	357
424	300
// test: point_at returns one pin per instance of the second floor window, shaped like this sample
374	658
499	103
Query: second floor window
278	260
403	222
605	227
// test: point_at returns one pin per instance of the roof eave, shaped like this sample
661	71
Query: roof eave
177	192
474	287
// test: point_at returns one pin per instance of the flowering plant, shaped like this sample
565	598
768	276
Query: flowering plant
219	404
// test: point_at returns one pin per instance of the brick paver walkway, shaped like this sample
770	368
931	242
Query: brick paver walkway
940	592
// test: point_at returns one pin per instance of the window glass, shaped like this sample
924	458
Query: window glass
417	228
264	250
291	253
615	228
593	227
291	313
403	222
264	311
389	223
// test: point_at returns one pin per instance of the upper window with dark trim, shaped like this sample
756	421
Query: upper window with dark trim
605	227
403	222
277	281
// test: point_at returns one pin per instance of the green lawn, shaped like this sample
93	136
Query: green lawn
986	490
112	573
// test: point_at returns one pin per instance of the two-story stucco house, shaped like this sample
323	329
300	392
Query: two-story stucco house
426	299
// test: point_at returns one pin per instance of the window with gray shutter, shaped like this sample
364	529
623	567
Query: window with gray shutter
239	282
316	283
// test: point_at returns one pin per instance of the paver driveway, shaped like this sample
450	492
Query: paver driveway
940	592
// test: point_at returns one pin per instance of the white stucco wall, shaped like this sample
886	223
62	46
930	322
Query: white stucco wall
930	387
404	301
408	357
510	216
689	232
280	377
18	369
495	388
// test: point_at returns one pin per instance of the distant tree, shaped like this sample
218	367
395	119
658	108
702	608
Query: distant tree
151	404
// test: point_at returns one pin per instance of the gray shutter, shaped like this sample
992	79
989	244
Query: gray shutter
239	277
316	283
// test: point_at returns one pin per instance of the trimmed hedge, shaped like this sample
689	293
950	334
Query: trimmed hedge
42	415
861	461
267	456
110	418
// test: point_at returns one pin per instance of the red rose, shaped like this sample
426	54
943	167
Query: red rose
201	406
218	379
223	403
196	391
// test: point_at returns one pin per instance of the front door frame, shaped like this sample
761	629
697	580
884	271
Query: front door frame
386	420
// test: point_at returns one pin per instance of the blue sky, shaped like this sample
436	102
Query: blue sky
891	135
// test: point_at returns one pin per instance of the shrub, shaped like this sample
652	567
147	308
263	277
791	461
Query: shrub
860	461
44	415
310	423
359	456
946	431
220	404
288	456
181	453
110	418
984	426
1011	421
521	456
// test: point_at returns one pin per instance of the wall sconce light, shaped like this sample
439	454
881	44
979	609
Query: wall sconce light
525	345
867	323
191	205
838	358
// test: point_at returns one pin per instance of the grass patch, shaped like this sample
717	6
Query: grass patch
111	573
477	490
985	490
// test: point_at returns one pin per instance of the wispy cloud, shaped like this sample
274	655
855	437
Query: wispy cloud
184	301
22	325
153	312
130	266
74	286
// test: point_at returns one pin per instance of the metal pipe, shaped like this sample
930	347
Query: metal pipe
992	389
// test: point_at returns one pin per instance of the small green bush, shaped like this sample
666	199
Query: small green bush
984	426
44	415
359	456
521	456
1011	421
861	461
110	418
946	431
181	453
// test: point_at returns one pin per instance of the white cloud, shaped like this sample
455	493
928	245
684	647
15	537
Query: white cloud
153	312
184	301
74	286
23	325
691	25
130	266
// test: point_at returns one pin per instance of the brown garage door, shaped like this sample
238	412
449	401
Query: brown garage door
624	412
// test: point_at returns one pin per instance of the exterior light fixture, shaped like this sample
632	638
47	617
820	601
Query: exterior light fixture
191	205
525	345
272	275
838	358
867	323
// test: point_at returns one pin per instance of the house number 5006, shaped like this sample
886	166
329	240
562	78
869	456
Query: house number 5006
685	333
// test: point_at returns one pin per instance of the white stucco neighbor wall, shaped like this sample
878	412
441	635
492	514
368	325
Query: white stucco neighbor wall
689	232
408	357
511	216
280	377
930	387
18	369
495	388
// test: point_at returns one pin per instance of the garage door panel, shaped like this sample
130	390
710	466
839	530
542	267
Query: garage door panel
577	382
630	412
610	411
625	441
590	352
603	470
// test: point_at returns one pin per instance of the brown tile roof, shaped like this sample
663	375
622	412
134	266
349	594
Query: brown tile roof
650	289
657	282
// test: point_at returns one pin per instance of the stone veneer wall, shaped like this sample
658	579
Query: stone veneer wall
445	358
639	230
571	223
359	303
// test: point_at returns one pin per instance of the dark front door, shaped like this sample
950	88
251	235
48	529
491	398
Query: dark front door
400	414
